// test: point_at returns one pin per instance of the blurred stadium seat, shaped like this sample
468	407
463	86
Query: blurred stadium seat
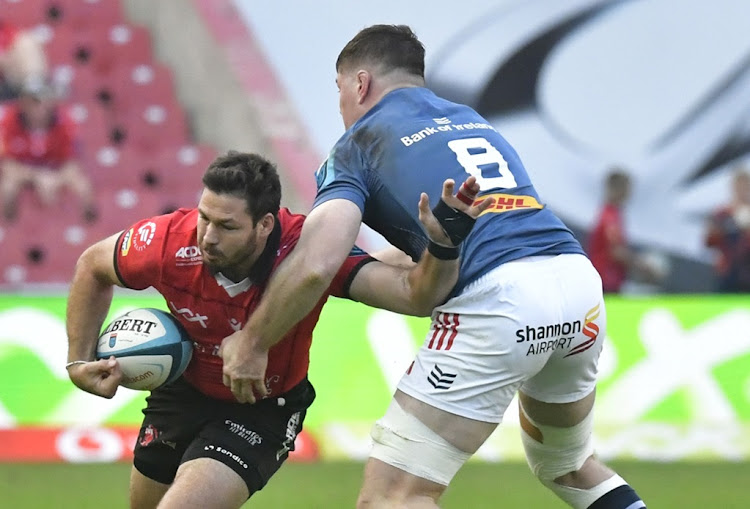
22	13
135	140
83	14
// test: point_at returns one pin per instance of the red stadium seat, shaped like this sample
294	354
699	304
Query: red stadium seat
122	45
13	261
141	84
22	13
103	48
92	126
83	14
181	168
112	168
119	209
154	126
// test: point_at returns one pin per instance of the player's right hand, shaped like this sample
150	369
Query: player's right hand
464	203
101	377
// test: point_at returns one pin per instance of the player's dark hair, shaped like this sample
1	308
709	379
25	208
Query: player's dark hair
390	47
247	176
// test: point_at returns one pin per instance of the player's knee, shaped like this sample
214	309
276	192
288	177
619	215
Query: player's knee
553	452
557	455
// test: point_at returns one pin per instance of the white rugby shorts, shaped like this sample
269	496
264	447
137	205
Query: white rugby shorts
535	324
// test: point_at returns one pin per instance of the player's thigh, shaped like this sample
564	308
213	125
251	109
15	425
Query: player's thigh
462	432
205	483
253	440
577	337
14	176
173	417
562	415
145	493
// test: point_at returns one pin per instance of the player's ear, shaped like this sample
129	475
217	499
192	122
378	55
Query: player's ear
364	80
266	224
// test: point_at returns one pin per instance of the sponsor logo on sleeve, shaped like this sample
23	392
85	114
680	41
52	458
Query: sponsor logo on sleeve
143	237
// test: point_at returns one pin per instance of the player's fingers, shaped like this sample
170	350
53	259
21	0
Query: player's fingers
482	206
227	381
465	196
237	387
260	388
448	186
469	189
424	206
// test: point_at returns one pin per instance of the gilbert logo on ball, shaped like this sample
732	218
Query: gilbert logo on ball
150	345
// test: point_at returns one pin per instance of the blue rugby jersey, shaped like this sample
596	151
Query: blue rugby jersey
409	143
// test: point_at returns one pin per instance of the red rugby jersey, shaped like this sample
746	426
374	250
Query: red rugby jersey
51	147
163	252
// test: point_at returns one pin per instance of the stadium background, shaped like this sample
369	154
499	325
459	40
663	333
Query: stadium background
674	400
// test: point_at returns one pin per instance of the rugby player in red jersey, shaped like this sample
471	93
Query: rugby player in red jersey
199	446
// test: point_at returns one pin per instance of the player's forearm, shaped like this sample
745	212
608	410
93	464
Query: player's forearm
430	282
292	293
87	308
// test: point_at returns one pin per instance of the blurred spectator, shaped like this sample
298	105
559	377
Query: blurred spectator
21	59
729	233
38	148
608	246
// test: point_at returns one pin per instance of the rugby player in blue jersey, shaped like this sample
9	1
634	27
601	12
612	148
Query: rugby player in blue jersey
526	316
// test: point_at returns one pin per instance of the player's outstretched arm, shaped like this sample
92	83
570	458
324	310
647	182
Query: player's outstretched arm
88	304
295	288
418	289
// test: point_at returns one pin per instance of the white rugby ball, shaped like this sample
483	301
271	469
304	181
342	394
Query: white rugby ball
151	347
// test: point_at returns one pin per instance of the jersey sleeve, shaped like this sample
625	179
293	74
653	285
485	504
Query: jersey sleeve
139	253
343	280
343	175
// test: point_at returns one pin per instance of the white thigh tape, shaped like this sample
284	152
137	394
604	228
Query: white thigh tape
563	450
403	441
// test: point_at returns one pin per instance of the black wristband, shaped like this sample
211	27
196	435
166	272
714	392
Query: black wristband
455	223
442	252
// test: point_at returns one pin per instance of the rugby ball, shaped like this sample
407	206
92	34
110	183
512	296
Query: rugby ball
151	347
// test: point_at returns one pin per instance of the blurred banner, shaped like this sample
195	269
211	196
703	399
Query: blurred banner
674	383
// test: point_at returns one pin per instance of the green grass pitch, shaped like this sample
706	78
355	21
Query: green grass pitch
335	485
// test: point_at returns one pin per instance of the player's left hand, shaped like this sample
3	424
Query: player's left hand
244	367
464	202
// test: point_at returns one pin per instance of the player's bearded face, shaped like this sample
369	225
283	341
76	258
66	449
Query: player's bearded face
228	238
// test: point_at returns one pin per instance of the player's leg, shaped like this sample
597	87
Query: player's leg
556	404
418	449
558	443
172	419
12	179
73	178
238	449
455	393
205	483
145	493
